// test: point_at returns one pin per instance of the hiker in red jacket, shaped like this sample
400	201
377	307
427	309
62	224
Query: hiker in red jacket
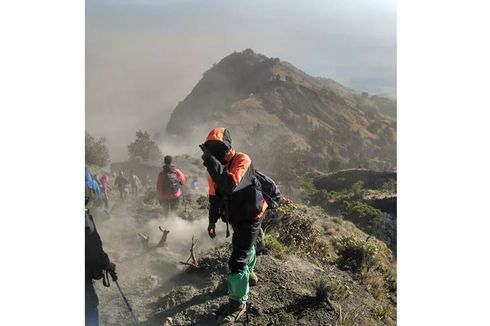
169	186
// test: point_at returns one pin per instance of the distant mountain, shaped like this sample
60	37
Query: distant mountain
285	117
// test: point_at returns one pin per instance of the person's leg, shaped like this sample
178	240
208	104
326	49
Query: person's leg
174	205
166	208
91	303
242	260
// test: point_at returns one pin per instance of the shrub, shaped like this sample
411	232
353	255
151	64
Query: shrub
203	202
297	230
384	312
357	190
96	152
190	210
322	292
273	246
354	254
144	147
331	289
375	283
389	185
372	221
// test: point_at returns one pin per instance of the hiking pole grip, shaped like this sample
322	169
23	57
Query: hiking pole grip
105	279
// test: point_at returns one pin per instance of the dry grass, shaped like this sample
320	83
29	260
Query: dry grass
385	312
331	288
375	283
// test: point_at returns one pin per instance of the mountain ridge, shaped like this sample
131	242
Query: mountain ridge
268	102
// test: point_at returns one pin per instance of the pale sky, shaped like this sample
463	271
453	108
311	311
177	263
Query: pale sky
144	56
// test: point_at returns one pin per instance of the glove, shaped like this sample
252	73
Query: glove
206	154
212	230
112	271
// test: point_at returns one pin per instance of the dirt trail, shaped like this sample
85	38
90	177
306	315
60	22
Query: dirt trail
282	297
164	292
144	275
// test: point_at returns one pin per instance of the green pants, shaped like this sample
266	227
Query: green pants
238	286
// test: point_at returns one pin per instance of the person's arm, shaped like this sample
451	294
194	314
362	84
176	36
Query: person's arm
226	180
95	256
214	202
160	186
214	208
181	177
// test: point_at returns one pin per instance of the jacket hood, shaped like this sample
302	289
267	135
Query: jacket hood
220	134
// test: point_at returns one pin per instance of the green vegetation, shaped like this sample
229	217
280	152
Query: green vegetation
202	202
144	147
356	254
385	312
372	221
389	185
189	210
273	246
96	152
303	236
326	289
373	261
350	205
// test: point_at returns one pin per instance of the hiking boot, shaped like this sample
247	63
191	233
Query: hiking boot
253	279
230	312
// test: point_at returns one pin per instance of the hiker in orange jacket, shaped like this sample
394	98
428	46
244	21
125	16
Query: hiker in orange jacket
235	197
169	186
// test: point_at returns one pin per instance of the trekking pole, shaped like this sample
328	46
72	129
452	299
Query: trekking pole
105	281
127	303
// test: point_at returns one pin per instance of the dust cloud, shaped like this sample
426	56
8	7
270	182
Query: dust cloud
146	274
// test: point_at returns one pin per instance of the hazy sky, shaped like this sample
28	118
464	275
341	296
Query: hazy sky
143	56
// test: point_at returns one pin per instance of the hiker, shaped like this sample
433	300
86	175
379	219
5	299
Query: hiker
169	186
92	188
99	196
96	262
135	184
121	183
234	197
104	183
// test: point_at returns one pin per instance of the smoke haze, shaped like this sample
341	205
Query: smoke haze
143	57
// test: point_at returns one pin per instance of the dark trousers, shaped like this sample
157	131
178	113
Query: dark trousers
91	303
170	205
122	193
244	237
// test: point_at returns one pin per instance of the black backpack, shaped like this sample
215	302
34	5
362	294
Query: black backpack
269	189
172	182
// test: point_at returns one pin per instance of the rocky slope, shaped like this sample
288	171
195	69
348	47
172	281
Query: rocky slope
301	248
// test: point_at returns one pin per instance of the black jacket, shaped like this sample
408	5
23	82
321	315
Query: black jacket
96	260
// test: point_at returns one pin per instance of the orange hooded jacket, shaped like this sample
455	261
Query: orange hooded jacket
234	180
